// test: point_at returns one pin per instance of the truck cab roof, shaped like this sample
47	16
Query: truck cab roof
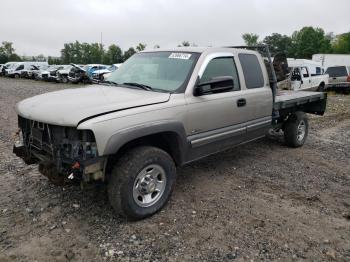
191	49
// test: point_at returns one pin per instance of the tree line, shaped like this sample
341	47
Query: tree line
301	44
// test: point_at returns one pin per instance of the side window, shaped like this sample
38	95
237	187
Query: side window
221	66
304	72
318	71
253	74
296	75
21	67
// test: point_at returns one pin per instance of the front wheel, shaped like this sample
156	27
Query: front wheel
64	79
296	129
141	182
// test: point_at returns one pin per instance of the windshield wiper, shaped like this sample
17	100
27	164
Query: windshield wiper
109	82
142	86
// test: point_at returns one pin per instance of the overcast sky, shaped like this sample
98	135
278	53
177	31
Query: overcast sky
43	26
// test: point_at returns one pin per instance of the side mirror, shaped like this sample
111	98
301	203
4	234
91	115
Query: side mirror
214	85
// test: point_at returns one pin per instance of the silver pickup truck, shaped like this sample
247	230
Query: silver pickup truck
160	110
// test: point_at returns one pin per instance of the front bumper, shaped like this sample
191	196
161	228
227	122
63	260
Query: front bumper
84	170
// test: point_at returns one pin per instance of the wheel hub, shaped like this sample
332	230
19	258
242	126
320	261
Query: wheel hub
301	130
149	185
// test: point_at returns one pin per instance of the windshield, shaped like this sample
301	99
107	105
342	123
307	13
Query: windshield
165	71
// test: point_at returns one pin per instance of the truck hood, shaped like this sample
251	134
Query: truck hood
69	107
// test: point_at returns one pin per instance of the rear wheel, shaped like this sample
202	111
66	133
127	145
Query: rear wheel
17	76
296	130
321	88
141	182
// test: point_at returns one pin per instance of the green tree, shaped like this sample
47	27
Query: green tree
15	58
54	60
250	39
82	53
278	43
140	47
96	53
113	55
129	53
7	53
7	48
309	41
341	44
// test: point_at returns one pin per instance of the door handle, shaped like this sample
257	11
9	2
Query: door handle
241	102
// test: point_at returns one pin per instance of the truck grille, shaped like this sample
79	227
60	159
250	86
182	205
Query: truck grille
37	135
55	141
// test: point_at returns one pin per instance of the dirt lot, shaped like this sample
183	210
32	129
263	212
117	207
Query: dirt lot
260	201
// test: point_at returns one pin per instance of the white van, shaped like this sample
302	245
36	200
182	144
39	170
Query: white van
22	67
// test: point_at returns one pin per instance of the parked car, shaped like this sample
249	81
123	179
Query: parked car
339	78
16	71
43	73
78	74
6	67
91	68
31	71
101	74
112	69
61	75
25	69
160	110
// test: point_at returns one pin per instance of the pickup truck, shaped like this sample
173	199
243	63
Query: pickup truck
304	77
161	110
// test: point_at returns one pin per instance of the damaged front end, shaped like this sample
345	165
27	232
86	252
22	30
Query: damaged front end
62	152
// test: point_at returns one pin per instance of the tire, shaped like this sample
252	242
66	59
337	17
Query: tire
17	76
64	79
296	130
130	193
320	88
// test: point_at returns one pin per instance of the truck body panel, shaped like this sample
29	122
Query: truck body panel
197	124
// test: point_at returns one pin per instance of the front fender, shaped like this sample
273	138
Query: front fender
117	140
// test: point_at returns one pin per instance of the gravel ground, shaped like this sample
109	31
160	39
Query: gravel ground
260	201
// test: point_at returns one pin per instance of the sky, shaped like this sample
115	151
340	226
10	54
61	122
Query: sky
43	26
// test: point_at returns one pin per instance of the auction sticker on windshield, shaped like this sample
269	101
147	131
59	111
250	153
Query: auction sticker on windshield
180	56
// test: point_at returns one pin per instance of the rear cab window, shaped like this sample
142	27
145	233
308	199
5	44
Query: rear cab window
252	72
337	71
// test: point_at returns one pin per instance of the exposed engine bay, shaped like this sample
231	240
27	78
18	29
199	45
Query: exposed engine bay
62	152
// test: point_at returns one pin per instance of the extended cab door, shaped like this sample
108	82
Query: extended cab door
218	120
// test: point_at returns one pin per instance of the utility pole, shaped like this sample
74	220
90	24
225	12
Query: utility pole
101	50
